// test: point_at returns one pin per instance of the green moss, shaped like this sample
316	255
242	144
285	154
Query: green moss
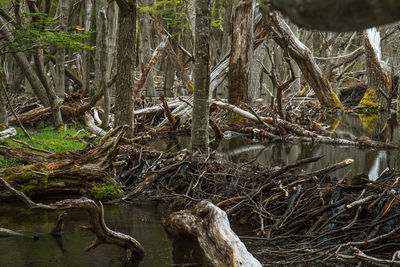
107	191
335	99
30	178
48	138
369	103
5	163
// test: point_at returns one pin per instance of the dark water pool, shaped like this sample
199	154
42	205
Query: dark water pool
370	161
142	222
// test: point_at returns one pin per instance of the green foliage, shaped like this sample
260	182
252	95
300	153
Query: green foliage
173	11
49	139
5	163
43	33
107	191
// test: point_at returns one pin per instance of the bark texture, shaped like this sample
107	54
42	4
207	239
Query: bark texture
241	50
126	65
200	113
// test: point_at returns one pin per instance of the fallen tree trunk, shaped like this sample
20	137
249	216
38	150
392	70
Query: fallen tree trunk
104	235
210	225
70	175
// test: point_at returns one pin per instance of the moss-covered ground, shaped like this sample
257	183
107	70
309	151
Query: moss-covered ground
46	138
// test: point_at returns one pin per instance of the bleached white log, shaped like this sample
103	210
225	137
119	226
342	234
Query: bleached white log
210	225
8	133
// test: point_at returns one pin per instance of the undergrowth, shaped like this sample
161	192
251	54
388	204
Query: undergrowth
46	138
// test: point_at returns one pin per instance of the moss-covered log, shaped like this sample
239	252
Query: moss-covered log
84	176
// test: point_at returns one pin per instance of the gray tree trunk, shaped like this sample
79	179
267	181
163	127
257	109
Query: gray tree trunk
60	52
86	54
201	105
101	55
145	48
241	53
126	65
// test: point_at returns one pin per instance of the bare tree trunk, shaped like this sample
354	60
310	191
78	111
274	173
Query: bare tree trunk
145	48
201	105
304	59
226	27
378	78
241	50
3	108
60	52
86	54
111	43
126	65
101	53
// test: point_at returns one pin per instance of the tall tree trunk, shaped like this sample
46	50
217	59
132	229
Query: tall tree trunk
86	54
101	53
60	52
241	50
226	27
145	48
111	43
126	65
201	107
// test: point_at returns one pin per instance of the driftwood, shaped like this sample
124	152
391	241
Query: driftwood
210	226
104	235
89	122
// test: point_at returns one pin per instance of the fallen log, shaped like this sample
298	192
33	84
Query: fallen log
210	225
8	133
104	235
70	175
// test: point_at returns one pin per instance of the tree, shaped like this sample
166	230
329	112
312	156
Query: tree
125	64
200	115
241	51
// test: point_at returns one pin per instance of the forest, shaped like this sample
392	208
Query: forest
199	133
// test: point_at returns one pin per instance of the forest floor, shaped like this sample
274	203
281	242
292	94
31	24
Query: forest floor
296	217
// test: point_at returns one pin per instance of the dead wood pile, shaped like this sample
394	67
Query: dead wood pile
325	218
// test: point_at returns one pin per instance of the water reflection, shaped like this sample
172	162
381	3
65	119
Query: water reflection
143	223
369	161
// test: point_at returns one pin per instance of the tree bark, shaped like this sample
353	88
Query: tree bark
241	50
200	115
210	226
86	54
304	59
101	56
126	65
339	15
60	52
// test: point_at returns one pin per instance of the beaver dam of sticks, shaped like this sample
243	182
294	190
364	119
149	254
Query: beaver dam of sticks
296	217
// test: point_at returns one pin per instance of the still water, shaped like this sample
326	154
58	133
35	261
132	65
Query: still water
142	222
369	161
